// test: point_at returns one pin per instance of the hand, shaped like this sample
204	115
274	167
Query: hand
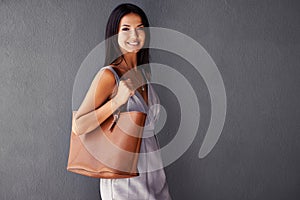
136	77
125	90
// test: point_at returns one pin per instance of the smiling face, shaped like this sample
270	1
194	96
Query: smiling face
131	35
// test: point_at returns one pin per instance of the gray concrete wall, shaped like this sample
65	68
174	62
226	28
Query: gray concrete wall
255	45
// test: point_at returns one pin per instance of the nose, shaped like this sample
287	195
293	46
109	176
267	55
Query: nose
134	33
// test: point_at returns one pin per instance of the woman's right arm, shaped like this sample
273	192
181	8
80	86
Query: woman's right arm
91	112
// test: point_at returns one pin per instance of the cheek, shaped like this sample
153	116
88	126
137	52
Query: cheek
121	40
142	35
143	38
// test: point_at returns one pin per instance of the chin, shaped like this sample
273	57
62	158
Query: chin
131	50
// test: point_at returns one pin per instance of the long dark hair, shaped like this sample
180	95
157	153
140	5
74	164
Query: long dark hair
113	53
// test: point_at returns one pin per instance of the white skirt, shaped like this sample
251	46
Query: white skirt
147	186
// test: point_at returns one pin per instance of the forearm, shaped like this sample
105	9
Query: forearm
88	122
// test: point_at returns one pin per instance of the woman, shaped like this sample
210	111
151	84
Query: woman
121	83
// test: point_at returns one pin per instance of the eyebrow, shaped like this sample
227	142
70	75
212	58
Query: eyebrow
129	25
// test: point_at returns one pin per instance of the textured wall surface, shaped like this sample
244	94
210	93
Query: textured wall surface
42	44
256	46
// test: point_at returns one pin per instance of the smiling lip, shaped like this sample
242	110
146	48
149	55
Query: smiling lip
133	43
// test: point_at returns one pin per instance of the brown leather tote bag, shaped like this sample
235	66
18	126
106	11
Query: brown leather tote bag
111	150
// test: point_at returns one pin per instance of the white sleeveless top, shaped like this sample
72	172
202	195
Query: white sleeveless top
151	184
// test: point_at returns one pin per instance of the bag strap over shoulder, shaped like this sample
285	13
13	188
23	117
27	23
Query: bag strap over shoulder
117	112
114	72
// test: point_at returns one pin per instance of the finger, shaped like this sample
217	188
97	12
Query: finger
130	86
128	80
132	93
122	82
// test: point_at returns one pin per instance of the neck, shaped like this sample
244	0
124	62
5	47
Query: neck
130	61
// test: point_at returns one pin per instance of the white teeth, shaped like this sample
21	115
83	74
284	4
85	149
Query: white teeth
133	43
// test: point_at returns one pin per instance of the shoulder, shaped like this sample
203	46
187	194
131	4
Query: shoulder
106	75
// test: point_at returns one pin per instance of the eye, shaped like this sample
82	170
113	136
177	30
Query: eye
140	28
125	29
